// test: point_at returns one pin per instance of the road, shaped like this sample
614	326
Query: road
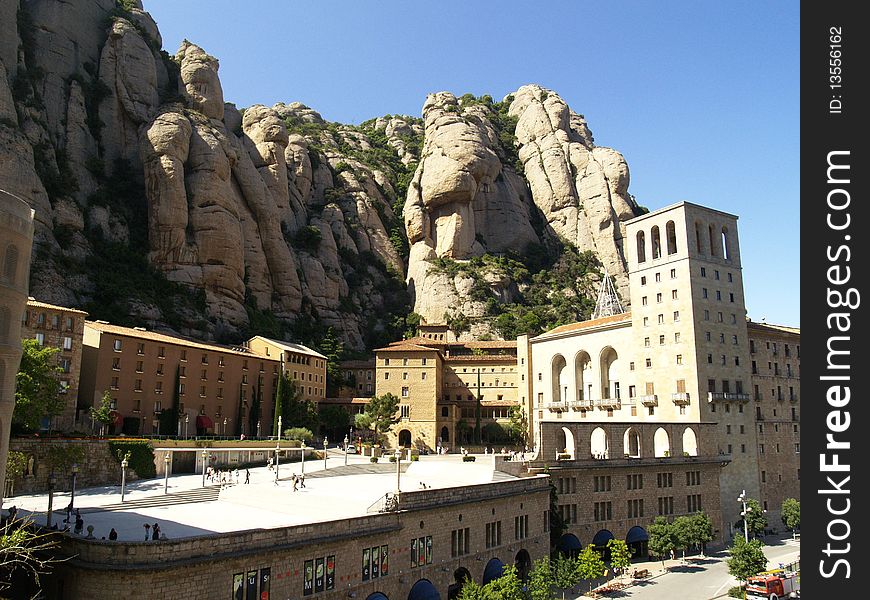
702	579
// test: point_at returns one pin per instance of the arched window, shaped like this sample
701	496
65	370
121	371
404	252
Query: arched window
566	442
712	241
609	376
641	247
4	324
690	442
671	232
631	443
656	240
598	444
662	443
582	362
725	254
698	238
559	377
10	263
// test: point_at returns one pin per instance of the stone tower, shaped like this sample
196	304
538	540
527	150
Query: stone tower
16	239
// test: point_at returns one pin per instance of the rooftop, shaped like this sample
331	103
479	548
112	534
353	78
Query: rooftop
292	347
144	334
773	328
33	303
580	325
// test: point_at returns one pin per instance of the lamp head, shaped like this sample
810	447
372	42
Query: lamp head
75	468
52	479
124	463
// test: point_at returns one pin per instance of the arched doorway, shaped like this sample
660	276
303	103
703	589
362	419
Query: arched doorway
690	442
662	443
559	379
609	374
598	444
565	439
405	438
423	590
493	570
600	542
523	564
460	576
631	443
638	542
569	545
445	434
582	363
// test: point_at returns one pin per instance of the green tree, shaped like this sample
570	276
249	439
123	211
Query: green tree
458	323
169	415
590	566
519	425
661	538
240	425
791	514
299	433
702	528
380	414
756	520
24	551
333	350
747	558
557	524
37	389
16	463
541	582
620	555
471	590
683	534
334	420
103	414
566	573
290	406
507	587
254	413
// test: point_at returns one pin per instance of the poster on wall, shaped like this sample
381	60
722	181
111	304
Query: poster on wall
308	578
376	562
265	583
413	553
421	552
330	572
385	561
239	586
428	549
366	564
319	573
251	586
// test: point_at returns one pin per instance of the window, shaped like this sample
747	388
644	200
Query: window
797	448
140	349
709	359
676	316
630	366
386	376
648	363
643	301
603	511
184	357
731	296
661	319
601	483
202	391
423	375
658	277
67	344
703	272
423	361
716	274
404	362
138	366
661	340
635	508
114	383
65	365
721	318
708	336
521	527
718	295
706	315
138	385
646	342
704	293
679	359
117	345
664	480
158	387
182	371
116	364
404	392
386	362
673	273
677	337
405	375
405	411
673	294
666	505
459	542
634	482
659	298
493	534
730	278
646	321
693	503
643	280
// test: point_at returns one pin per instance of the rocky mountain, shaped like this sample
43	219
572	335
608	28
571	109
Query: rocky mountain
160	204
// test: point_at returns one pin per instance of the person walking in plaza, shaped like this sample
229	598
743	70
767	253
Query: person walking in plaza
269	463
80	523
247	476
302	480
295	482
113	535
155	532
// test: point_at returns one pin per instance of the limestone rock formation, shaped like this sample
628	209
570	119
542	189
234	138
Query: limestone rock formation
581	189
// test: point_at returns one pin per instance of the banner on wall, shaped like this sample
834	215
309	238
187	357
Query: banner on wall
251	586
308	578
319	574
376	562
385	560
366	564
413	553
330	572
265	583
239	586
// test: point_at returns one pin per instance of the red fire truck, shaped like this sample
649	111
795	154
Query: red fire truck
774	585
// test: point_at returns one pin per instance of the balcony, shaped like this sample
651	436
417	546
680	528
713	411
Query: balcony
680	398
556	406
711	396
649	400
607	403
580	404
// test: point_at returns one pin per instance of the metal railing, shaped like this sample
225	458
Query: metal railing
649	400
680	398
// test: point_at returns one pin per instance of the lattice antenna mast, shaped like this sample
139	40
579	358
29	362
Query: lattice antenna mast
608	301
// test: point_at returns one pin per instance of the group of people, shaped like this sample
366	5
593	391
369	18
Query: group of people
152	532
298	481
226	477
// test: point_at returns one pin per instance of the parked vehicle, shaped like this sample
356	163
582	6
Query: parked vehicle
774	585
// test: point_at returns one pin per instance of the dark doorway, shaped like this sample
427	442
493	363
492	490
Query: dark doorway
424	590
184	462
638	542
523	564
405	438
445	434
494	569
569	545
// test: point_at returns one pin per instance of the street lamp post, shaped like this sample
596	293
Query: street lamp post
279	430
204	460
398	471
745	514
325	451
72	496
52	481
225	426
302	445
124	464
186	421
346	441
166	473
258	429
277	449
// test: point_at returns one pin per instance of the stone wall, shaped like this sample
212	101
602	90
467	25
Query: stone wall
205	567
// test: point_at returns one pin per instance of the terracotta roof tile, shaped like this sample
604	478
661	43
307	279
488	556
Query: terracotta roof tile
590	323
32	303
771	327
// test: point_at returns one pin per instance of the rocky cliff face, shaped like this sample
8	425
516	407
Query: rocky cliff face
158	203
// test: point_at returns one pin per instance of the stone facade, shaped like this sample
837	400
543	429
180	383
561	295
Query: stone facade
679	359
776	390
62	328
359	376
16	231
301	363
438	384
138	368
206	567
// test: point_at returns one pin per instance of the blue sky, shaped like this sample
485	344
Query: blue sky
701	97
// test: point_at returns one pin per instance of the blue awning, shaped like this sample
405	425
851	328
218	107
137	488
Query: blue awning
569	541
494	569
424	590
377	596
601	538
636	534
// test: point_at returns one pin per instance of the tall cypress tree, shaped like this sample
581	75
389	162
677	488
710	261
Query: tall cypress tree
279	391
239	415
169	416
254	413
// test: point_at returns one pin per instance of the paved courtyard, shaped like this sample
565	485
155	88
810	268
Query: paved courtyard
190	510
